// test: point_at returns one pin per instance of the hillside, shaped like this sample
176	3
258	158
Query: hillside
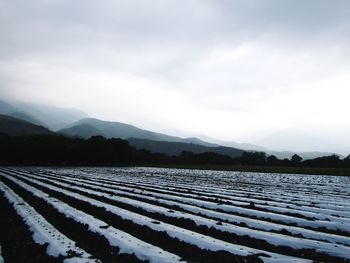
53	118
26	117
6	108
175	148
73	122
83	130
122	130
16	127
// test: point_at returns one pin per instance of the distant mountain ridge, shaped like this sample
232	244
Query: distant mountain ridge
175	148
73	122
243	146
279	154
26	117
17	127
82	130
7	108
54	118
110	129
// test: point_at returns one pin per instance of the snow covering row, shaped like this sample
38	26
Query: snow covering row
44	232
341	224
117	238
272	238
280	198
190	237
252	223
225	208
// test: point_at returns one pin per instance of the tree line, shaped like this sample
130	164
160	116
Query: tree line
60	150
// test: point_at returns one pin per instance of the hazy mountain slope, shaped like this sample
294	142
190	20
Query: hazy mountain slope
82	130
199	141
26	117
243	146
175	148
54	117
16	127
122	130
6	108
294	141
10	110
279	154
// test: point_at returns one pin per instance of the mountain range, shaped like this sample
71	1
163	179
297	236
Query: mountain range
175	148
89	126
279	154
28	118
54	118
17	127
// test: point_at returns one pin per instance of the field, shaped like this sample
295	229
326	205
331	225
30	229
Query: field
263	169
171	215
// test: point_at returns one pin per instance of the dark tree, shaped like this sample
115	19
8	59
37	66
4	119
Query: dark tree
346	161
204	158
60	150
272	160
252	158
296	159
326	161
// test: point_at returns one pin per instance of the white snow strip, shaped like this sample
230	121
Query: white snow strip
145	177
272	238
117	238
199	240
226	195
43	231
231	192
282	207
246	211
254	223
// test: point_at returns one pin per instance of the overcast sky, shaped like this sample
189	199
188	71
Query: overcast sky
273	72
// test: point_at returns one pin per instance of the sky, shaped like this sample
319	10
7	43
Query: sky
271	72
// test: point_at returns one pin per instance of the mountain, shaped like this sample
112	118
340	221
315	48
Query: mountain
121	130
10	110
17	127
73	122
175	148
83	130
285	143
279	154
6	108
52	117
199	141
26	117
294	140
242	146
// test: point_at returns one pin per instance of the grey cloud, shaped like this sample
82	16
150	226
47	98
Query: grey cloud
40	25
164	37
169	43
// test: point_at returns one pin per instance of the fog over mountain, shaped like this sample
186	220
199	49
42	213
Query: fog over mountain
271	73
15	121
50	116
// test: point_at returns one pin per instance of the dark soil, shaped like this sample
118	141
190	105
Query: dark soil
229	237
93	243
337	232
16	239
161	239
